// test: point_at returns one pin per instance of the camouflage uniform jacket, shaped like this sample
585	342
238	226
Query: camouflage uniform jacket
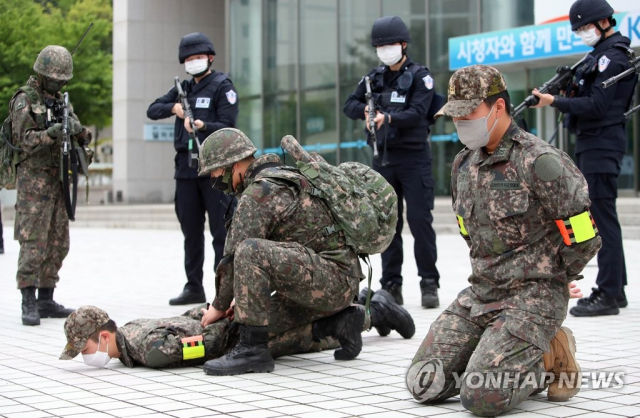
137	339
278	210
509	202
41	153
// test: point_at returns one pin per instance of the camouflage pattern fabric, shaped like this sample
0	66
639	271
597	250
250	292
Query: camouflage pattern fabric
156	343
481	345
275	243
509	202
78	326
54	62
223	148
41	225
468	87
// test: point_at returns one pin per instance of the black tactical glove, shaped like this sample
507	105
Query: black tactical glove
55	131
75	127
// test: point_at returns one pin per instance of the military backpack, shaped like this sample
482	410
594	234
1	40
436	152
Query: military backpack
10	153
362	203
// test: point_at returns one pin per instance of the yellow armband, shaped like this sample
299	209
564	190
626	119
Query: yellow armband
192	347
463	230
578	228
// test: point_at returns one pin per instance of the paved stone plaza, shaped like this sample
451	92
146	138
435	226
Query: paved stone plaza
133	273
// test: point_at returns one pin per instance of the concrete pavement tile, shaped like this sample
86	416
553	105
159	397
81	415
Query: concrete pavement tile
323	414
333	404
629	411
72	410
30	414
296	409
562	411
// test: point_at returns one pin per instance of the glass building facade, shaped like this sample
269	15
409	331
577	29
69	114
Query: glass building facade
295	62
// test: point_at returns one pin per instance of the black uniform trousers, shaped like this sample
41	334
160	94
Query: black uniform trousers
193	198
603	191
411	178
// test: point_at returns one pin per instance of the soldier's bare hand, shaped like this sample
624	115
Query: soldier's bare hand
379	120
230	313
177	110
211	315
574	291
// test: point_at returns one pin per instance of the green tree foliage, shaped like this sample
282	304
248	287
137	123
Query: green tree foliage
27	26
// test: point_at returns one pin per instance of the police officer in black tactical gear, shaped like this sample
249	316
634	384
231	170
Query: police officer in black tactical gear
404	96
214	102
595	115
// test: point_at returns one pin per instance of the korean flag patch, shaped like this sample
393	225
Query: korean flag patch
232	97
428	82
603	63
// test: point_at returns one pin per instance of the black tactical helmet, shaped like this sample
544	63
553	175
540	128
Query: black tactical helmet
389	30
584	12
194	44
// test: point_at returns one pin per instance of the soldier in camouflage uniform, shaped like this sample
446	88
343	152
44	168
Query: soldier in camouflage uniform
167	342
41	225
276	242
522	207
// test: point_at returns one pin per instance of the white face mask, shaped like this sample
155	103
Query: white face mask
195	67
389	54
473	133
98	359
589	36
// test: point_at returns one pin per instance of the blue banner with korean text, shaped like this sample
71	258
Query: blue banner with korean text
530	43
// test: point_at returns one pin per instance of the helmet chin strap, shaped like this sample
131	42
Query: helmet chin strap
602	30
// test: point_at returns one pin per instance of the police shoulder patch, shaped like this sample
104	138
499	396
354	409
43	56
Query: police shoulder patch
428	81
232	96
603	63
548	167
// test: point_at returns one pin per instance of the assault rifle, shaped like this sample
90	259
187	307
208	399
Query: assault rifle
559	82
635	68
193	136
372	115
70	155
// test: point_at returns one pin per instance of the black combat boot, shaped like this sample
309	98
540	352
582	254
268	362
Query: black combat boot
346	327
602	304
251	354
385	312
30	314
429	289
395	290
48	308
595	292
383	331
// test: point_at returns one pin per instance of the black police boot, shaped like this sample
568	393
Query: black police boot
429	289
395	290
385	312
383	331
1	250
595	292
600	305
48	308
251	354
621	299
346	327
188	297
30	314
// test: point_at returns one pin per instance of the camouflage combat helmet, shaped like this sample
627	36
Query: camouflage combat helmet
78	328
54	62
223	148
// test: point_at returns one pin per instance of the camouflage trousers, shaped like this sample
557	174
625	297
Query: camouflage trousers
162	349
307	286
42	229
478	358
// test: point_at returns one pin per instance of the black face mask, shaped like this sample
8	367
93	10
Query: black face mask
223	183
52	86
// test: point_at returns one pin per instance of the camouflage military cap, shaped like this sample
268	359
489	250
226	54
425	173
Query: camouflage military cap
468	87
54	62
79	326
223	148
